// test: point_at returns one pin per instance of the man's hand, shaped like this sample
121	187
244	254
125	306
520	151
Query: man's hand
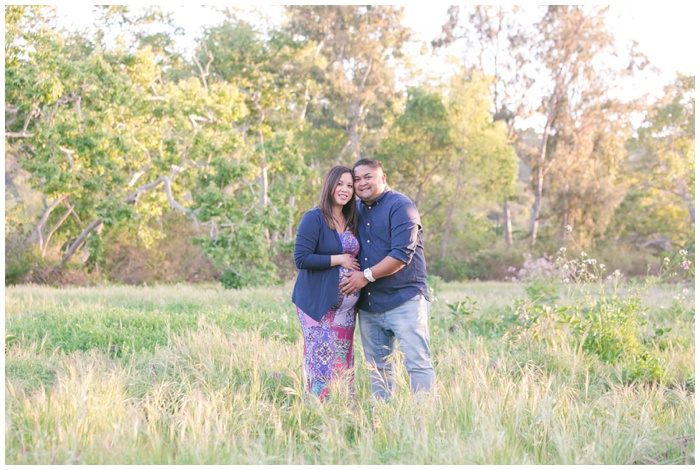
353	282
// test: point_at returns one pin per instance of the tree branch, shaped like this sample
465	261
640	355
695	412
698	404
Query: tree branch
168	193
204	72
38	235
80	240
18	135
54	228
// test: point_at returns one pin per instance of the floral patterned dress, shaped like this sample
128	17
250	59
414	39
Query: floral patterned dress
328	343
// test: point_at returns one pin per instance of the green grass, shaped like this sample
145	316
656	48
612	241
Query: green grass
202	375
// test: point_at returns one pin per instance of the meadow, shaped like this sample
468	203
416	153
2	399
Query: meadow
527	373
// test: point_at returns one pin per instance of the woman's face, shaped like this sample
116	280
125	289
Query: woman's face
344	190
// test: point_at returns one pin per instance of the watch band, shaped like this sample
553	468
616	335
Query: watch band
368	275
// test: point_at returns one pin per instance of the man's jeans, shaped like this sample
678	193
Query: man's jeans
407	323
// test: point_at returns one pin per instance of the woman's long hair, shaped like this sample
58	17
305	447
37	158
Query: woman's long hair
325	202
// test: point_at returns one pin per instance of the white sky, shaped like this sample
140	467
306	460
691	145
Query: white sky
666	32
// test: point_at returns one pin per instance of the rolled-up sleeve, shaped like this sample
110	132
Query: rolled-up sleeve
307	242
405	227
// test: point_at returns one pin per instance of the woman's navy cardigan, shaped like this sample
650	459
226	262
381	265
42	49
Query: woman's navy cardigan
316	288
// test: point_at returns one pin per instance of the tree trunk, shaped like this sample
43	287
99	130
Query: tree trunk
54	228
450	212
262	161
355	123
507	225
79	241
38	234
564	222
689	202
542	165
263	182
354	138
289	234
536	207
446	233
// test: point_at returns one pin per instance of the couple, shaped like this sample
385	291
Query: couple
388	284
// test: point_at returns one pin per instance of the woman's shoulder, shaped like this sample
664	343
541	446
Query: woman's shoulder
313	214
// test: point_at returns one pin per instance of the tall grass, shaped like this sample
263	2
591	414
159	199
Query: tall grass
201	375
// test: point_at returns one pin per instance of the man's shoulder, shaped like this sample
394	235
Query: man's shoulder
397	198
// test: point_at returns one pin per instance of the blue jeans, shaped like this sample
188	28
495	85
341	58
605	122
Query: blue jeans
407	323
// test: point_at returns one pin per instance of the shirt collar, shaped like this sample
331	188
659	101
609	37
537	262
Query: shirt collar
379	198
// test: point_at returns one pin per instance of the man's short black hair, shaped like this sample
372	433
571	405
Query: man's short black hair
374	164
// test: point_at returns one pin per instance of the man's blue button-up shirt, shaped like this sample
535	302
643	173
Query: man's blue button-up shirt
390	226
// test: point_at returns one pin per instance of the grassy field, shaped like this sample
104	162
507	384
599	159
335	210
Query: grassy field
201	375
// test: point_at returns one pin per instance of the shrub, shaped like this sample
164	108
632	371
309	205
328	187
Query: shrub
173	258
19	257
487	264
603	316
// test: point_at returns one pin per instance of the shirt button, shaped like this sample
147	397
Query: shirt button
367	241
365	259
367	223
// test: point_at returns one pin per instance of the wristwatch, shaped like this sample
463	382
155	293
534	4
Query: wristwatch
368	275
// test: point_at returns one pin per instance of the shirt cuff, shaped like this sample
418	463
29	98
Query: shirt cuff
401	256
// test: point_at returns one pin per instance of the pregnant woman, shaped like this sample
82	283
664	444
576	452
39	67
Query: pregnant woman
326	247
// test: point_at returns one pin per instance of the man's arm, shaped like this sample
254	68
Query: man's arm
356	280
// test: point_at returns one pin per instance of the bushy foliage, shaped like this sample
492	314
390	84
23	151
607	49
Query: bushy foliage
601	315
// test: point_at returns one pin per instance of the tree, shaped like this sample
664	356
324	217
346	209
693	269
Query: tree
585	186
114	136
358	45
551	70
570	39
258	65
445	153
658	211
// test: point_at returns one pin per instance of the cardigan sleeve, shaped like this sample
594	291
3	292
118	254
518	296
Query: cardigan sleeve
307	242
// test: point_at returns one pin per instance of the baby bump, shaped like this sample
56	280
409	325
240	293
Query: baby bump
346	301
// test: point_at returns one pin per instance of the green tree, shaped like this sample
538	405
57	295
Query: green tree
257	64
446	153
357	46
550	74
659	208
115	136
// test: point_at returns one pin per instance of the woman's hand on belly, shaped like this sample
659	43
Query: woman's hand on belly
346	260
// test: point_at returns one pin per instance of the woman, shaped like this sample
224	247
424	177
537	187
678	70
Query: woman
326	247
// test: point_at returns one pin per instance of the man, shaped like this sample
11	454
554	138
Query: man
394	302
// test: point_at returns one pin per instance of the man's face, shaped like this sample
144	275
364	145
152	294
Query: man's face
369	183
